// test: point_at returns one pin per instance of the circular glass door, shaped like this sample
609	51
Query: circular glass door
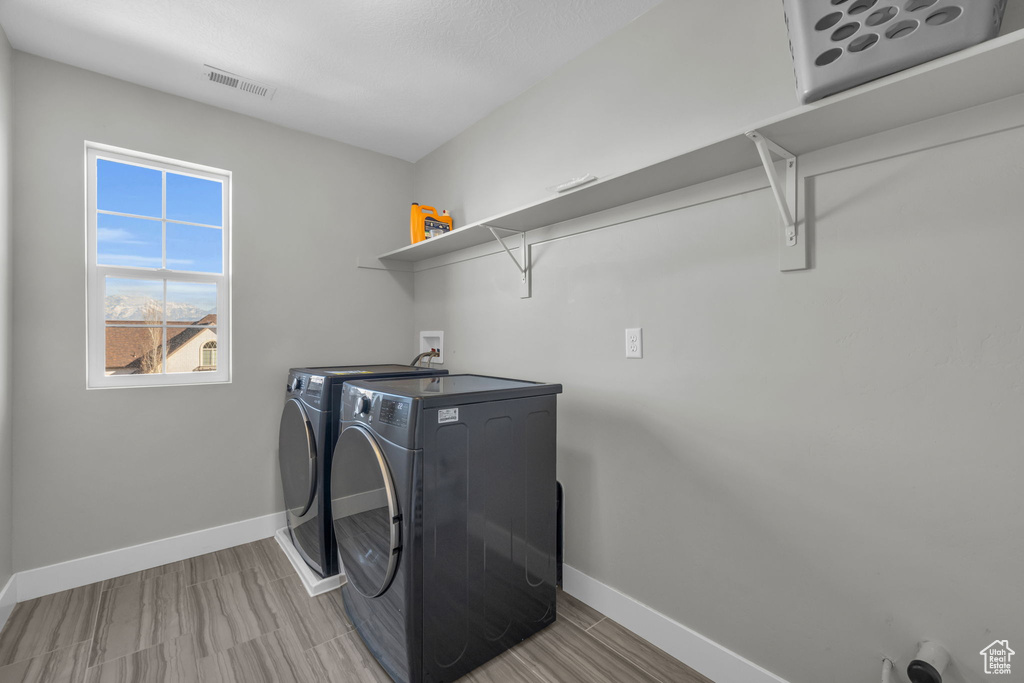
297	457
368	540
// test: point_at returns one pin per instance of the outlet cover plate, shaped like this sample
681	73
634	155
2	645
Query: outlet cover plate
634	342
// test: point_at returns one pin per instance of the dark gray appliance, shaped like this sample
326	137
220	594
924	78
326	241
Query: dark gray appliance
456	560
309	424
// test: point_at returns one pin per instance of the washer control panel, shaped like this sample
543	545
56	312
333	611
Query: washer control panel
391	417
394	412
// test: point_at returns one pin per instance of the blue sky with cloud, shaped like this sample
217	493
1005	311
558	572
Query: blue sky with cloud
137	240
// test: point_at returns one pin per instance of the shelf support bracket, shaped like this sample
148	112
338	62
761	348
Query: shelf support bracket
793	247
524	250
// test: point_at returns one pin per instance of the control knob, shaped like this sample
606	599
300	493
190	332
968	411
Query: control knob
363	405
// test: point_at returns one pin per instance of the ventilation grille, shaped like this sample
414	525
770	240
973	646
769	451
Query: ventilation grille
239	82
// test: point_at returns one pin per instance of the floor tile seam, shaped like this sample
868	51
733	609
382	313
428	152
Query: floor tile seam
632	664
141	580
33	656
334	637
94	629
11	619
529	667
43	654
623	657
317	667
330	640
587	629
264	564
198	659
95	616
279	612
187	632
214	653
221	576
271	571
290	613
90	667
185	625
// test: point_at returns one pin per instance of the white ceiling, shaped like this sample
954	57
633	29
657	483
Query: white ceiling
399	77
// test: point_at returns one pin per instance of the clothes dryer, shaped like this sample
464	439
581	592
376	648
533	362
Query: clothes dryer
456	560
309	423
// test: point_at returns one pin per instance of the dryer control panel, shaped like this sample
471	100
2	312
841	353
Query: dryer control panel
308	388
315	385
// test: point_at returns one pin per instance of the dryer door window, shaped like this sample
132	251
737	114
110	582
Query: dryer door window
368	539
297	456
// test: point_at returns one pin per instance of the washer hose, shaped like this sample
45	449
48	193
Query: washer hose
432	353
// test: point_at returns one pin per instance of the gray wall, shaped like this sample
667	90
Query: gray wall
105	469
680	75
6	323
814	469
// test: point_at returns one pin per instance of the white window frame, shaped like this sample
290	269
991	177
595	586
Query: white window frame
96	275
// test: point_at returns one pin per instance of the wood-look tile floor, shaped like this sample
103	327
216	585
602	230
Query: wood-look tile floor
241	615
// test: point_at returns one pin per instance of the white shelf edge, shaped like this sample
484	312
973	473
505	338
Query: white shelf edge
784	129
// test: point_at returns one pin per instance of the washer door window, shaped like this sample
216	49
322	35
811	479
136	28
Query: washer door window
368	540
297	455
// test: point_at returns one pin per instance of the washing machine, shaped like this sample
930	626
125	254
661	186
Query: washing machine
309	424
455	561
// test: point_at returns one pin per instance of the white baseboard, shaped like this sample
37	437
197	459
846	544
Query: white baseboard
54	578
85	570
702	654
8	599
706	656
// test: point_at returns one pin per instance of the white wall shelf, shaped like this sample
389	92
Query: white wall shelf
981	74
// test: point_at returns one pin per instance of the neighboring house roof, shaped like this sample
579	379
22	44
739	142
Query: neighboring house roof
126	346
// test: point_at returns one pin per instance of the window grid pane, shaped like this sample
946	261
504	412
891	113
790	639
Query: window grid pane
128	241
193	200
157	326
129	188
134	350
194	248
160	326
197	250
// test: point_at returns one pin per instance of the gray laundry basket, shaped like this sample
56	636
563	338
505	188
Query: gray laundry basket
838	44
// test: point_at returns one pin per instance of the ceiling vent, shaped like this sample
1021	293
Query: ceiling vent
239	82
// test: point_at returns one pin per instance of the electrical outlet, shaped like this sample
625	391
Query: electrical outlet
634	342
432	340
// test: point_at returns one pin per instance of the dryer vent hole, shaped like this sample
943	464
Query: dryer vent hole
862	6
863	43
901	30
944	16
881	16
915	5
828	21
828	56
845	31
